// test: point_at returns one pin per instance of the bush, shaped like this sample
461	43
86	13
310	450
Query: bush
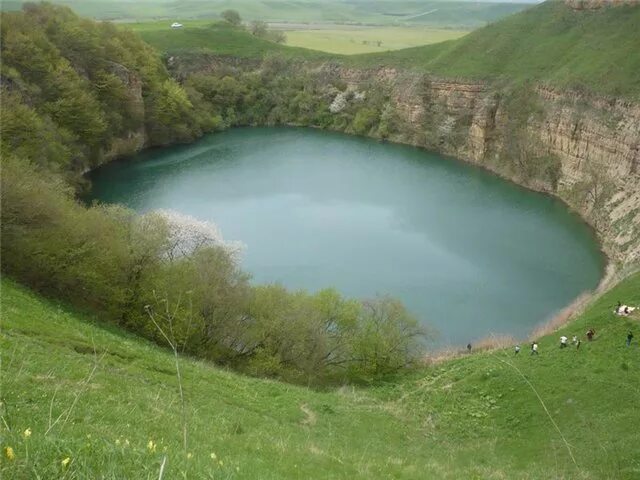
232	16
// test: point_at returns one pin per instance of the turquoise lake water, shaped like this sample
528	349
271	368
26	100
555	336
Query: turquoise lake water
467	252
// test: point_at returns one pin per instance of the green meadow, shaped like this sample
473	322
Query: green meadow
218	37
351	40
82	399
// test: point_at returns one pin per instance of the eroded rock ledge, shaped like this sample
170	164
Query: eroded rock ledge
596	4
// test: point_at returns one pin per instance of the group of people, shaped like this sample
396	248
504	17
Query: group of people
574	341
563	342
621	309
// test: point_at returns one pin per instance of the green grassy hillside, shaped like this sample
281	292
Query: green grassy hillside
109	403
219	37
597	49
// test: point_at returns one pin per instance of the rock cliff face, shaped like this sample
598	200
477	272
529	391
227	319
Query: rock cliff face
595	4
582	148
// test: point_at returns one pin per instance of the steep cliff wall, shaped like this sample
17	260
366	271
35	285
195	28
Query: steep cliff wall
596	4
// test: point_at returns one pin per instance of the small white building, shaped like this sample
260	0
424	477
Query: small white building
176	25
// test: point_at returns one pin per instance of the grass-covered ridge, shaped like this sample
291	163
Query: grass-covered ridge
99	396
216	37
594	49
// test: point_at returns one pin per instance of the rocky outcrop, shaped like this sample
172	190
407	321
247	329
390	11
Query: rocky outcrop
596	4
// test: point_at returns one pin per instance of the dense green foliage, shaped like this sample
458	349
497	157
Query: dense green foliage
69	95
278	91
475	417
595	50
73	89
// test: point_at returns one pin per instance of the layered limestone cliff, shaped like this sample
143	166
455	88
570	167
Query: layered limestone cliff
596	4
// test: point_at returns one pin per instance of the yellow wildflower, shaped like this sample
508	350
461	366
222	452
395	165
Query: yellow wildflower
65	462
189	455
27	433
151	446
117	441
8	451
221	463
126	442
213	456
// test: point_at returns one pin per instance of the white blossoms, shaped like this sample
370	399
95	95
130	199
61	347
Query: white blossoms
187	234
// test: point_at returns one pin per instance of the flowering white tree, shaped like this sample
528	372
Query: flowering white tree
339	103
187	234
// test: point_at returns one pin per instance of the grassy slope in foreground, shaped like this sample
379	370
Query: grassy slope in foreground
597	49
474	417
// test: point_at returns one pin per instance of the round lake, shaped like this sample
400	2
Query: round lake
468	253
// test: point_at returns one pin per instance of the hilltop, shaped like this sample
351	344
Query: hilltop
104	395
551	42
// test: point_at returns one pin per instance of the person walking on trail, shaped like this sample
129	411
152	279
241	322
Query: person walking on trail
563	341
517	349
629	338
534	348
469	347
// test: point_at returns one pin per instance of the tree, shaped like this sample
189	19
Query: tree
387	339
258	28
187	235
277	37
232	16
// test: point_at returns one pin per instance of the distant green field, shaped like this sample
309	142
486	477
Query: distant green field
350	40
108	402
461	14
217	37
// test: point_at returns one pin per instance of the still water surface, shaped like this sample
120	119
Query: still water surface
467	252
